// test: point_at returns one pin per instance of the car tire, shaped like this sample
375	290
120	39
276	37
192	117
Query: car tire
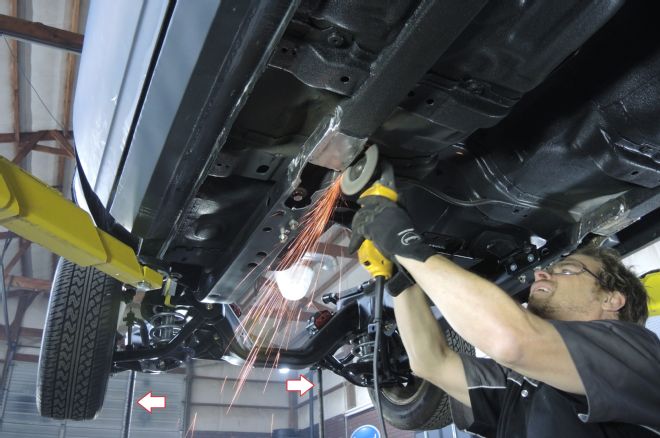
78	342
421	405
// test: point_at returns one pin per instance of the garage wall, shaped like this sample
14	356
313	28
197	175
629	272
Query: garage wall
20	419
346	407
335	399
261	406
161	423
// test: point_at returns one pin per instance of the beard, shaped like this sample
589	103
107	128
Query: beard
558	310
542	308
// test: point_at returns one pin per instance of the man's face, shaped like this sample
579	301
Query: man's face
568	297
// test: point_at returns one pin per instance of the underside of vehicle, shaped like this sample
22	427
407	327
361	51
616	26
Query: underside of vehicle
517	131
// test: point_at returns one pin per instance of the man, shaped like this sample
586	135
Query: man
577	363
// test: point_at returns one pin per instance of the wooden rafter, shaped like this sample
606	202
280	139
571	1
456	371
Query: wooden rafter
28	283
62	141
40	33
27	332
27	145
9	137
53	151
22	357
70	70
31	143
22	249
15	99
15	327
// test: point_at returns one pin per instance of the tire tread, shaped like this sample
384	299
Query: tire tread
78	342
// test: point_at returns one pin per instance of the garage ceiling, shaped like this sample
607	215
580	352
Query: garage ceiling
36	92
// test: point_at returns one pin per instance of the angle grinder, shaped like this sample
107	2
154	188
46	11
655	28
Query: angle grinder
372	177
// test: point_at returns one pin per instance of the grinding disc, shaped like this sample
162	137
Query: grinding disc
357	176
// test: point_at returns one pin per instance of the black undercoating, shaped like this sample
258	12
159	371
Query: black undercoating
542	113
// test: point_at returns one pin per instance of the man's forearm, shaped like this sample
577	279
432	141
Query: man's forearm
462	297
428	352
482	313
419	330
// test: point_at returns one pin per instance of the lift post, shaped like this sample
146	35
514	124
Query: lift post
40	214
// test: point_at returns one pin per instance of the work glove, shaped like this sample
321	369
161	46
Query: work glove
399	282
390	228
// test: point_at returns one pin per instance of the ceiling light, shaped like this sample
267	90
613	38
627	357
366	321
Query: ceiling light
294	282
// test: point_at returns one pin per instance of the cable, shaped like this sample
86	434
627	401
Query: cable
25	76
378	318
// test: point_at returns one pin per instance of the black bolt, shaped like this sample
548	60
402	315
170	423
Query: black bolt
474	86
336	39
299	194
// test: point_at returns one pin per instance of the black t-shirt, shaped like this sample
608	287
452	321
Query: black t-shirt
619	364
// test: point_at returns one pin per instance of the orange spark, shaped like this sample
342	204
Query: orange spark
191	429
270	305
313	225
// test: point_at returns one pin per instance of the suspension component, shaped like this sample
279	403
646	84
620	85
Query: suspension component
166	322
363	348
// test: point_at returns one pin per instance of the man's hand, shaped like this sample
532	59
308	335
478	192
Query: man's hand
389	227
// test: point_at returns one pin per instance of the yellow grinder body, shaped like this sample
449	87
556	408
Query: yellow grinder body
370	258
356	178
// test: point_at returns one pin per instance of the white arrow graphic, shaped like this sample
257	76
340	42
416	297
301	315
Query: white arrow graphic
302	385
148	402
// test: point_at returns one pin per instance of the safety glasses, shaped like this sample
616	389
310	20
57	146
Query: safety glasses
572	267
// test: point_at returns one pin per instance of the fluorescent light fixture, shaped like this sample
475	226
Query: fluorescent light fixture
284	370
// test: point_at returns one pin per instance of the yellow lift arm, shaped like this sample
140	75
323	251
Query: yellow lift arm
651	281
40	214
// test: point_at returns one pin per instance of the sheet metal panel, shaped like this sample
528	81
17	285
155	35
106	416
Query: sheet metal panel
163	423
113	70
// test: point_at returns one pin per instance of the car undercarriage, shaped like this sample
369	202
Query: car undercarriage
517	132
569	150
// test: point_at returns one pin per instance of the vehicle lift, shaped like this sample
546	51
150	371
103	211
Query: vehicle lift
40	214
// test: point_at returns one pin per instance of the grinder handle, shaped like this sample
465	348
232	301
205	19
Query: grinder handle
368	255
